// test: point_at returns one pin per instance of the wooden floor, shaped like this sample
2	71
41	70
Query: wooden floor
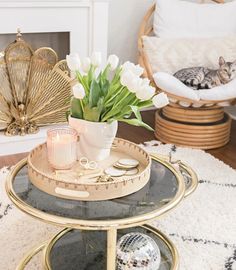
136	134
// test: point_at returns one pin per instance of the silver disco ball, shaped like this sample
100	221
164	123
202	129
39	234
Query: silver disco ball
137	251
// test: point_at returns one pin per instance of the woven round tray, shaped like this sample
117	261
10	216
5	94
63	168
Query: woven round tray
43	176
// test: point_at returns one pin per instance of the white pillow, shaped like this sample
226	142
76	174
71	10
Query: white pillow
172	85
177	18
222	92
170	55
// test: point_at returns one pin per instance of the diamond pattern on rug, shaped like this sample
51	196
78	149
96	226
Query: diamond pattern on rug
203	226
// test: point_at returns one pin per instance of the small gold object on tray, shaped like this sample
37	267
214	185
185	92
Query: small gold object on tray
101	182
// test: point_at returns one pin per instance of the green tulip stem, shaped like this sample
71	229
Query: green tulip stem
115	108
115	95
128	93
82	105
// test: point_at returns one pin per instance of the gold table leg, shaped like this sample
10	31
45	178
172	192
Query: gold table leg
23	263
111	249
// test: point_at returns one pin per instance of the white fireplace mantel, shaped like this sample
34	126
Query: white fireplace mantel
85	20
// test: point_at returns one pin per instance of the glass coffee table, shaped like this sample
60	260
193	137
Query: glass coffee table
91	229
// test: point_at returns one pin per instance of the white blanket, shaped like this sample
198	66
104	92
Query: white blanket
172	85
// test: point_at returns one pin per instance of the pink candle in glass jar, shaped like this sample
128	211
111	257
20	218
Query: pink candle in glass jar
61	146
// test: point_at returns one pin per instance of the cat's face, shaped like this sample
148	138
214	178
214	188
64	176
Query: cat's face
227	70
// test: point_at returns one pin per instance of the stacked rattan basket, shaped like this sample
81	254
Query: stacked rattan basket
204	128
202	124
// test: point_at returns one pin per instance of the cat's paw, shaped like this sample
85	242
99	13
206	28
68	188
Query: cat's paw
188	82
195	82
192	82
205	86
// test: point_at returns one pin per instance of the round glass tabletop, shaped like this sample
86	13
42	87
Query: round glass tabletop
163	192
86	250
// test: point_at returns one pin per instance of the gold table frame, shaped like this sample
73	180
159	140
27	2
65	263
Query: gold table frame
111	226
165	239
27	258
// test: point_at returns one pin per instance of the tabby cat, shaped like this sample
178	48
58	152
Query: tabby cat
205	78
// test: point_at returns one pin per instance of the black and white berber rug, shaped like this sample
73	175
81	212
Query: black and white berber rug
203	226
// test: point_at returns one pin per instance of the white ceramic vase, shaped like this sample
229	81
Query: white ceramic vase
95	138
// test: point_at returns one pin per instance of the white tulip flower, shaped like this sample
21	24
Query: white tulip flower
86	64
73	61
127	78
146	93
160	100
135	85
136	69
113	61
78	91
145	82
96	59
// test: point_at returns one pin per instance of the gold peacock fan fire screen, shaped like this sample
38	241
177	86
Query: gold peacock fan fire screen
35	88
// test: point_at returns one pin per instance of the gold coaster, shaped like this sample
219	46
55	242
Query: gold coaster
115	172
132	172
128	162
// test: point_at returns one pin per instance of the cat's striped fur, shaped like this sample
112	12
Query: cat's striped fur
205	78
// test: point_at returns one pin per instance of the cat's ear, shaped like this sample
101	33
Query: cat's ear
221	61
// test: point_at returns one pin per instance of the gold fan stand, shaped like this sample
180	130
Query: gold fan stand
204	128
35	88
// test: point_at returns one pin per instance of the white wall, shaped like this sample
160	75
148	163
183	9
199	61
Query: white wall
125	17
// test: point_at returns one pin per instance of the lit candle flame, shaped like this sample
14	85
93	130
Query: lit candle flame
58	137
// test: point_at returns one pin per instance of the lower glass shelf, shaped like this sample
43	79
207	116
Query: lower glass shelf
86	250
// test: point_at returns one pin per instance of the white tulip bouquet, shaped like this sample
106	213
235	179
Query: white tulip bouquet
114	93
